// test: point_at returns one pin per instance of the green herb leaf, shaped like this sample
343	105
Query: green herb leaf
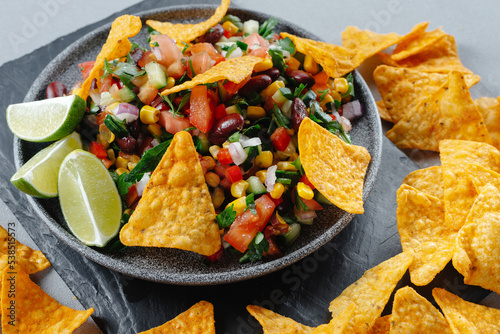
256	249
250	202
242	46
117	127
252	131
148	162
281	119
197	144
108	70
253	98
350	80
325	120
276	54
234	20
298	165
299	204
298	91
266	29
287	45
286	92
127	72
226	217
230	50
323	94
234	137
121	184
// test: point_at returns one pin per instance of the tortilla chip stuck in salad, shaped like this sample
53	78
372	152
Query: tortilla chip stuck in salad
176	209
335	168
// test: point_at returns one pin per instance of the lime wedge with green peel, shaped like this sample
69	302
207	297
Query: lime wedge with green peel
45	120
38	176
89	199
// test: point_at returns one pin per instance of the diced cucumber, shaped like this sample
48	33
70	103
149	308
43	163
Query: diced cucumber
205	143
107	99
234	109
223	94
310	96
250	26
255	186
126	94
304	221
221	46
286	239
322	199
156	75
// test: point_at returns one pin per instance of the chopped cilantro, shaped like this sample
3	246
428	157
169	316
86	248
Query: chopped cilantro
256	249
299	204
230	49
107	69
250	202
325	120
323	94
287	45
242	46
148	162
276	54
281	119
226	217
266	29
117	127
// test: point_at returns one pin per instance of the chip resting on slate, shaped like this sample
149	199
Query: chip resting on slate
490	110
466	317
273	323
199	319
447	113
371	292
428	180
478	242
459	192
412	313
335	168
34	310
176	209
422	230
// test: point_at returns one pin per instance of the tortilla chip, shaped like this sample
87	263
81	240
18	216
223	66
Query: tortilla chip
199	319
337	325
27	309
422	230
490	110
412	313
117	45
335	60
189	32
235	70
371	292
401	89
459	192
466	317
381	326
481	176
428	180
176	209
273	323
417	31
479	242
382	110
448	113
414	46
335	168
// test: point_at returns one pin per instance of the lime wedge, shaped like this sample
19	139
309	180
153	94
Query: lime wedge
89	199
38	176
45	120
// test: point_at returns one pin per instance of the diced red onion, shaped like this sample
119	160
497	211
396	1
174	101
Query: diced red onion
141	185
237	152
352	110
157	52
346	124
304	215
246	142
126	111
271	178
95	96
235	54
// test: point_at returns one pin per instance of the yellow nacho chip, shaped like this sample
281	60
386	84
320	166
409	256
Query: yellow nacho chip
27	309
382	111
411	47
381	326
428	180
490	110
117	45
412	313
422	230
478	242
466	317
335	168
459	192
402	88
447	113
273	323
176	209
337	325
188	32
481	176
235	70
371	292
199	319
417	31
335	60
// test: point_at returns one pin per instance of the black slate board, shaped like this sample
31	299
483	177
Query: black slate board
302	291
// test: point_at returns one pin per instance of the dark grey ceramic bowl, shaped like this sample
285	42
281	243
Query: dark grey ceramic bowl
172	265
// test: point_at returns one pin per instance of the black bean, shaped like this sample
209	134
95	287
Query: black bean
213	34
301	77
299	112
225	127
255	84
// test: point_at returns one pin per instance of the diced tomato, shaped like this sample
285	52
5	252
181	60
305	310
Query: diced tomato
170	53
321	78
216	256
232	88
147	93
280	138
108	163
228	34
305	180
98	150
220	111
200	63
311	204
213	99
106	83
277	201
177	69
209	48
201	116
255	38
224	156
245	226
147	58
260	52
225	183
140	80
319	88
132	196
86	67
233	174
173	124
221	170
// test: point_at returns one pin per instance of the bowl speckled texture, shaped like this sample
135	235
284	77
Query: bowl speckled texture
172	265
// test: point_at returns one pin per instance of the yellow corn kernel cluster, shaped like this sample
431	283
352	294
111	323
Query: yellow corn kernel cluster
133	161
149	115
277	191
105	137
121	162
214	150
261	174
121	170
286	165
264	159
218	197
272	89
238	189
255	112
304	191
263	65
326	99
229	26
239	205
310	65
341	85
154	130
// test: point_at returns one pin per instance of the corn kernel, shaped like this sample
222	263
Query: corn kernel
209	162
121	170
341	85
111	155
234	109
225	144
304	191
128	211
218	197
238	189
261	174
310	65
149	115
239	205
255	112
121	162
326	99
106	135
264	65
111	106
280	219
134	160
154	129
285	165
277	191
214	150
272	88
335	95
170	82
102	141
229	26
265	159
293	64
212	179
